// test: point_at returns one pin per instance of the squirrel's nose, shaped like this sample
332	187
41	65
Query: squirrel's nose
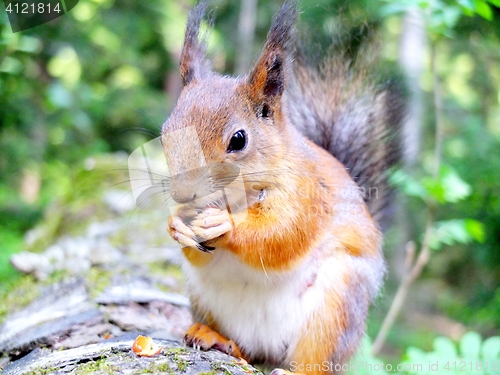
188	186
184	186
183	195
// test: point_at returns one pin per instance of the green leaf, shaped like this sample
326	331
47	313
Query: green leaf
449	232
434	189
447	188
470	345
491	349
475	229
415	355
408	185
450	362
468	12
484	10
495	2
455	189
467	4
450	16
445	347
364	356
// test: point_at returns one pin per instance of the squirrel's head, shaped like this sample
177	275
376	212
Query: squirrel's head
223	127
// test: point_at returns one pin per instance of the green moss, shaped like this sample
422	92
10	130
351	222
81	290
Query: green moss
169	278
41	371
182	364
119	238
17	295
245	368
165	269
22	291
158	368
97	280
217	366
171	351
175	355
102	366
12	242
55	277
222	366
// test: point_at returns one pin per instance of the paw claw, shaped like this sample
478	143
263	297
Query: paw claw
202	337
205	248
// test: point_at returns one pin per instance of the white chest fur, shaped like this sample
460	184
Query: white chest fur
264	312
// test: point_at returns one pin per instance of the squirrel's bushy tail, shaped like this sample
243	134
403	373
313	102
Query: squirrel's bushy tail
343	106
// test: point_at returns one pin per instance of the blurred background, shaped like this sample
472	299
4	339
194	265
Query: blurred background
79	93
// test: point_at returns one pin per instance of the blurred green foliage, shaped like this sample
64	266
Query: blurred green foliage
104	77
472	355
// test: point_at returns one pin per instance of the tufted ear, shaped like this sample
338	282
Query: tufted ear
194	64
268	77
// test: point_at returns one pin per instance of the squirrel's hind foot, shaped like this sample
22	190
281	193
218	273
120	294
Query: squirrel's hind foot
203	337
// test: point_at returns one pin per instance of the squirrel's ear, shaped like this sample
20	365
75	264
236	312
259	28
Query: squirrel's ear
267	78
194	64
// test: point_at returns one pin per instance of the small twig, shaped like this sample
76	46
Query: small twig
414	269
403	289
410	255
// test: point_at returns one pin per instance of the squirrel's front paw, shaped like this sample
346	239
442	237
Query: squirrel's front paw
211	223
202	337
185	235
207	225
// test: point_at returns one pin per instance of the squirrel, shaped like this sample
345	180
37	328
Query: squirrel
285	272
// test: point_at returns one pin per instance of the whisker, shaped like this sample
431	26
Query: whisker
263	267
150	119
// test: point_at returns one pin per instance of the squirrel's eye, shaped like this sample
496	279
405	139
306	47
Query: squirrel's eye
265	111
238	141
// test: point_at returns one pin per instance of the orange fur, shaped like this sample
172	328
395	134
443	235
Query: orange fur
196	257
317	345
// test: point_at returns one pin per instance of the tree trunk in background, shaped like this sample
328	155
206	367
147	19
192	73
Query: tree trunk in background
246	32
411	50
